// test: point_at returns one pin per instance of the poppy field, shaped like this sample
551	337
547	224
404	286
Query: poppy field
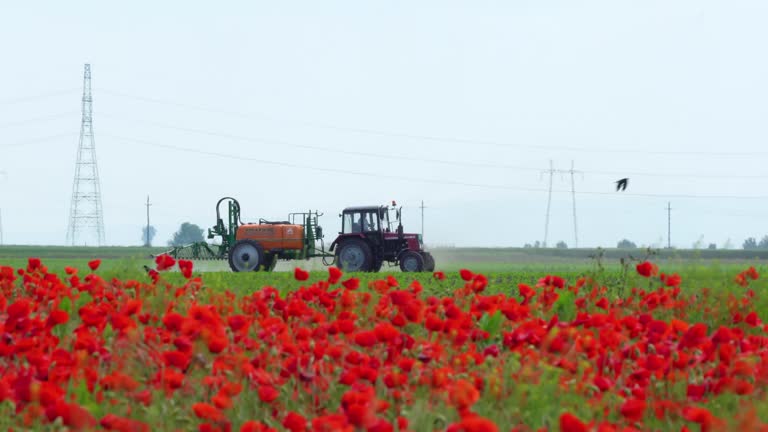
652	349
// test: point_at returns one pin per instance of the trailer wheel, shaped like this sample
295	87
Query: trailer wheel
245	256
354	255
411	261
270	261
429	262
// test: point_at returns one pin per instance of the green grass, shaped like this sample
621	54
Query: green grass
503	272
77	252
504	276
506	268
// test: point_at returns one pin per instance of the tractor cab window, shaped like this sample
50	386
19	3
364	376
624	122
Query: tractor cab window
352	223
370	222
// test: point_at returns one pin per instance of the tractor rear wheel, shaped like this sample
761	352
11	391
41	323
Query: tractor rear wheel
429	262
411	262
245	256
354	255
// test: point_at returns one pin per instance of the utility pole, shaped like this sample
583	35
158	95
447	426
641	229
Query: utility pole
669	225
422	220
147	243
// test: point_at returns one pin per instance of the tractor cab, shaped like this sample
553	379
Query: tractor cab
368	219
371	235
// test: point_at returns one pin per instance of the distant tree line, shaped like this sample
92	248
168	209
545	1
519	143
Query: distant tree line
537	244
187	233
751	243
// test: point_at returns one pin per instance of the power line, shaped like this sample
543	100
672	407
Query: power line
36	119
36	140
425	137
463	164
38	96
414	179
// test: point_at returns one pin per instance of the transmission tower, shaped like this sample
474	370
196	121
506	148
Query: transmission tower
85	215
552	171
573	195
669	225
549	204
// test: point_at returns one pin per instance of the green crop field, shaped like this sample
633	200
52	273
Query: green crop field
508	265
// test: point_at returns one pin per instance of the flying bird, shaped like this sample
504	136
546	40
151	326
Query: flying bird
622	184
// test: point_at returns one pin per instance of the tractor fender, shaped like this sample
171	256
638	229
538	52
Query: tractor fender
343	237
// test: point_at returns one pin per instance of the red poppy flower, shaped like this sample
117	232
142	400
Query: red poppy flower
295	422
351	284
256	426
466	274
113	422
33	264
186	268
207	411
633	409
571	423
646	269
385	332
164	262
479	282
334	275
300	274
268	393
473	424
94	264
366	338
671	280
154	275
463	394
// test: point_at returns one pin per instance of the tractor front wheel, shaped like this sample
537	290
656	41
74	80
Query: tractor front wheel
354	255
245	256
377	265
411	262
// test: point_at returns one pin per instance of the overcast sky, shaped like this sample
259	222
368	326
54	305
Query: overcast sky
322	105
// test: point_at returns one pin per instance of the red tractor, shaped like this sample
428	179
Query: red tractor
368	238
